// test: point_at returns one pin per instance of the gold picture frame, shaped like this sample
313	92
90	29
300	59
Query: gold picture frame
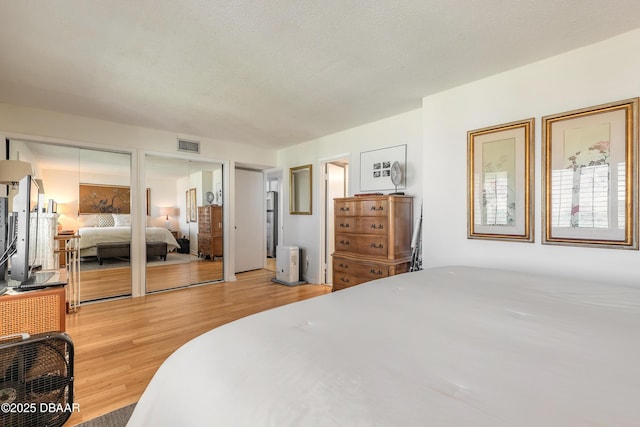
589	172
192	208
98	198
300	190
500	173
102	198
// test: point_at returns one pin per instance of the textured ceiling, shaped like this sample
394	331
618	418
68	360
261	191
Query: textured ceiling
275	72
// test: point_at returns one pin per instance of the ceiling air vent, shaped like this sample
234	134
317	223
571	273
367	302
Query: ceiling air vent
189	146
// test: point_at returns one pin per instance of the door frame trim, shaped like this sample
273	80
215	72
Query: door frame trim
323	259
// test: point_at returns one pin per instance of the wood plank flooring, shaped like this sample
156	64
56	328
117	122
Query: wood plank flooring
161	277
115	282
112	282
120	344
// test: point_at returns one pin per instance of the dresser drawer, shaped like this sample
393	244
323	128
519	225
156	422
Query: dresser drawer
372	225
345	243
362	244
361	225
345	224
345	208
372	245
350	271
374	208
343	280
210	246
204	216
204	242
365	270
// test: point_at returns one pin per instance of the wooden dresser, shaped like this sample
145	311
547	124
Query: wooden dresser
372	238
210	231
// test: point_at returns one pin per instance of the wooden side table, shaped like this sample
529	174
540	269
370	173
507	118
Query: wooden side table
66	245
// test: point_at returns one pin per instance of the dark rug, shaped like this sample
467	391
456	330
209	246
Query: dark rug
117	418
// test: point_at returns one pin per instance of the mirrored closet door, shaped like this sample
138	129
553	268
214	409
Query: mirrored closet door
104	224
87	196
184	239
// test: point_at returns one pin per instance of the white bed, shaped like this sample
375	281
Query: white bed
451	346
91	236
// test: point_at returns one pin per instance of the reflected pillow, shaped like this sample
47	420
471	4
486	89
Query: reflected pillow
122	220
104	220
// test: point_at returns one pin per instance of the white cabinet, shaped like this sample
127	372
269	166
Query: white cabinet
41	250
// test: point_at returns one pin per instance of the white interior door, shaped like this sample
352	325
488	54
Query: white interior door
250	250
335	187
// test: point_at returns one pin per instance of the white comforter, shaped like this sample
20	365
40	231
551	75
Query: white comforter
90	236
452	346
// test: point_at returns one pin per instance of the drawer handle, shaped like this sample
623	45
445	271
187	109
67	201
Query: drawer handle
344	225
344	209
344	242
377	273
377	227
377	208
344	279
377	246
344	265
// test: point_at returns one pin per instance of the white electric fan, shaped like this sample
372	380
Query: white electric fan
396	177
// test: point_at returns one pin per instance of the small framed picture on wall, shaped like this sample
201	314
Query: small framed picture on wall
375	168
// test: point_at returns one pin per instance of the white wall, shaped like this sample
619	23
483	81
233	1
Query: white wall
91	132
600	73
306	230
62	186
164	192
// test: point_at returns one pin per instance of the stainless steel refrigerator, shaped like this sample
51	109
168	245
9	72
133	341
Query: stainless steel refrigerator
272	223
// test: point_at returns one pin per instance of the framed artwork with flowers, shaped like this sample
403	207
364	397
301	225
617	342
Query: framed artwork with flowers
500	182
589	176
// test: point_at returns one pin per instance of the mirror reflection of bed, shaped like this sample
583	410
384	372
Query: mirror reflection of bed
177	188
64	168
105	247
173	184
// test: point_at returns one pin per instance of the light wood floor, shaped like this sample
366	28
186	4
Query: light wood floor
115	282
112	282
162	277
120	344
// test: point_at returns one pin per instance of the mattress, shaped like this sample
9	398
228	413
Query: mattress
450	346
